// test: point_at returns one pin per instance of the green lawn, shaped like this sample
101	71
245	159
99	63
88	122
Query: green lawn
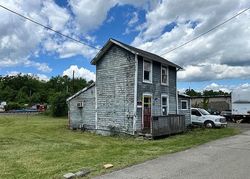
43	147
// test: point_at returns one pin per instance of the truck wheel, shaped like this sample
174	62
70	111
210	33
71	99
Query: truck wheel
209	124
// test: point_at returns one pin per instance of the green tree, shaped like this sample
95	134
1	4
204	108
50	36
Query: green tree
192	92
58	104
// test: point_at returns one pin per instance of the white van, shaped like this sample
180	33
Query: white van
202	117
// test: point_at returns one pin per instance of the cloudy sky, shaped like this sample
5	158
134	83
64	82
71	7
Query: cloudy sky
218	60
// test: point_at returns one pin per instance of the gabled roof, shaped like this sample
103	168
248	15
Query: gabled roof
133	50
80	92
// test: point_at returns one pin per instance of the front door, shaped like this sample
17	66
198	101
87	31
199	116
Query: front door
147	112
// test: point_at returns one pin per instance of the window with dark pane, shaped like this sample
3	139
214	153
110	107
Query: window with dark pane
164	75
184	105
164	105
147	66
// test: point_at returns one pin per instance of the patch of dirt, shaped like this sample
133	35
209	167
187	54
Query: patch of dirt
242	126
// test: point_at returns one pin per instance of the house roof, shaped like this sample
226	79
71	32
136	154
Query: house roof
215	96
184	95
133	50
80	92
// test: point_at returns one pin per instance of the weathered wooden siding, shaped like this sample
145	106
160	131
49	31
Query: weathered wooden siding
115	74
156	89
86	114
187	112
167	125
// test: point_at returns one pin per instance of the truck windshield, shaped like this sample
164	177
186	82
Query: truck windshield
204	112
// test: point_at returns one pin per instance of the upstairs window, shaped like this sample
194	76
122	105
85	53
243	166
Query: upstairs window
164	75
147	71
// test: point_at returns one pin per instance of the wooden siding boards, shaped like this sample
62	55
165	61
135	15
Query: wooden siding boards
167	125
115	74
156	89
115	88
85	115
187	112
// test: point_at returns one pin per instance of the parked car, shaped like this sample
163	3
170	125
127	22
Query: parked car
201	117
213	111
227	115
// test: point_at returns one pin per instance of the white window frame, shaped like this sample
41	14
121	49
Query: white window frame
166	96
186	105
167	71
151	74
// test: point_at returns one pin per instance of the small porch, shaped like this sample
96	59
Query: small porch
165	125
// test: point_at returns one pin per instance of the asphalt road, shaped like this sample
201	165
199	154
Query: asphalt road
227	158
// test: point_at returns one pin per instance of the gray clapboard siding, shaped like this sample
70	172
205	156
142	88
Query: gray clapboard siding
115	89
186	112
156	89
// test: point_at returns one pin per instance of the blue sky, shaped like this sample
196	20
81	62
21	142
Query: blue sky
219	60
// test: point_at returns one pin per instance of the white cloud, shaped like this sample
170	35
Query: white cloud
43	67
110	19
91	14
226	88
38	76
21	39
79	73
43	77
207	72
58	17
217	87
134	18
68	49
221	54
245	85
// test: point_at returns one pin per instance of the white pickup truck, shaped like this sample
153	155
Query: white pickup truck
202	117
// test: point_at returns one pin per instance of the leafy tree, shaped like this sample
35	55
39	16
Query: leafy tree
58	104
26	89
192	92
35	98
13	105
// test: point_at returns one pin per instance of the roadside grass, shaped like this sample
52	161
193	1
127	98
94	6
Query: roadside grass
42	147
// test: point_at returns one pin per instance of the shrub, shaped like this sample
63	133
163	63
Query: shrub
12	106
58	104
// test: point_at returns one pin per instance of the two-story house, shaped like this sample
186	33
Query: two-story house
131	87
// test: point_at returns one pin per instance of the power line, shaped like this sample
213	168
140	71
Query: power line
204	33
47	27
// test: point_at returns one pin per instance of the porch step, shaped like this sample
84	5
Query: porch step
148	136
145	135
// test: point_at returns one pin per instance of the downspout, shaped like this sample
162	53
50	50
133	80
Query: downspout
135	94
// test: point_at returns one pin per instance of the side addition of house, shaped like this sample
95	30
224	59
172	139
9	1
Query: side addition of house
132	86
